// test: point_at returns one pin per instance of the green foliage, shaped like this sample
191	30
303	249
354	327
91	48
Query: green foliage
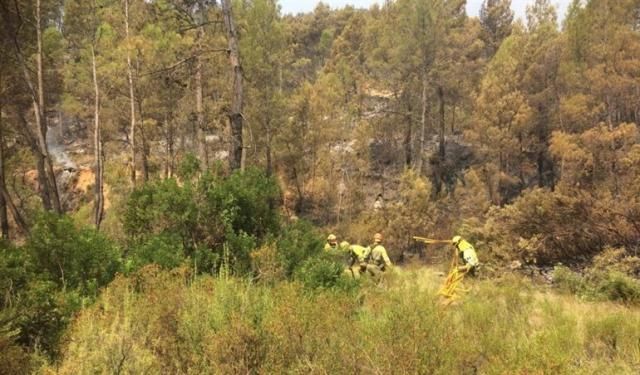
320	272
48	279
568	281
189	167
71	257
203	216
246	199
165	249
340	106
599	285
42	313
296	243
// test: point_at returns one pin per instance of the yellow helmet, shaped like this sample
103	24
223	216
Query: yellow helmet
344	245
456	239
377	237
332	237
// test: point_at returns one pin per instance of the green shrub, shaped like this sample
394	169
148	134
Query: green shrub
320	272
296	243
189	167
15	272
46	281
236	213
72	257
568	281
599	285
165	249
616	286
42	314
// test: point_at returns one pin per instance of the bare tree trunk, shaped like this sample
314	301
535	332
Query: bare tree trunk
235	116
38	143
200	130
453	118
408	135
169	150
132	98
268	155
41	120
441	143
423	123
50	191
144	144
4	219
97	142
4	192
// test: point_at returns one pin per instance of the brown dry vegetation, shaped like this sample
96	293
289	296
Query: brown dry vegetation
162	322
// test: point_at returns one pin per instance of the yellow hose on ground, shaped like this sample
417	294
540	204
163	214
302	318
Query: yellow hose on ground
451	289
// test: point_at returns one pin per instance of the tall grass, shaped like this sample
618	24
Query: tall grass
160	322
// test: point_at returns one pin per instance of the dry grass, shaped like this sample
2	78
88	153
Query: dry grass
164	323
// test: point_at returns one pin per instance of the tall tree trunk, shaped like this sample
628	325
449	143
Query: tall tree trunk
423	123
169	150
143	142
97	142
132	98
41	119
38	142
235	116
17	216
268	149
4	219
200	129
441	143
408	135
453	118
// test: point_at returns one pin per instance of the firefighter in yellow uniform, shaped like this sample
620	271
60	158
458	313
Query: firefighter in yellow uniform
358	255
378	260
332	243
468	255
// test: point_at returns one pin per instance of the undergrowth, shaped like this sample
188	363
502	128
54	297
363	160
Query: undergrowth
170	322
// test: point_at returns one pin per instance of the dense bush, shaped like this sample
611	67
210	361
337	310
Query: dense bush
597	284
296	243
320	272
69	256
165	249
59	269
203	216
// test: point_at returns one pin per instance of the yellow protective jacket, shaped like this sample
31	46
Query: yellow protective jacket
328	247
358	252
468	253
378	256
